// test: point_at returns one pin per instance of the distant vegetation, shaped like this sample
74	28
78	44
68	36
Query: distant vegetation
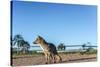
61	46
23	47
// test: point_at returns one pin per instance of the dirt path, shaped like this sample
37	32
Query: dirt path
37	60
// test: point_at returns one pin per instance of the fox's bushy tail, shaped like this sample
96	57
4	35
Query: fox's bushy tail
59	59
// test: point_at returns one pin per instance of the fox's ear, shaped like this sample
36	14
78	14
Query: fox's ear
39	36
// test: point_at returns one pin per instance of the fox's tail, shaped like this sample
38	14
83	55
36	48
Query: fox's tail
59	59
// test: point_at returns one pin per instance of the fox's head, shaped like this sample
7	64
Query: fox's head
38	40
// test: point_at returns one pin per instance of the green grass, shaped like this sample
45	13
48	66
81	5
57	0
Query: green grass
88	51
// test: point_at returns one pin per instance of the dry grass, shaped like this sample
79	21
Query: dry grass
24	60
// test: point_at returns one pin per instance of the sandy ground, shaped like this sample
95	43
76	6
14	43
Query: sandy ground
28	60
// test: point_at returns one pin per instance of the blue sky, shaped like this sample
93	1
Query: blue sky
56	23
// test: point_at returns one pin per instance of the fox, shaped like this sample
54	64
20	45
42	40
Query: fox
49	50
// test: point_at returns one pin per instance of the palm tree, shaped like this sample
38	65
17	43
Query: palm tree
25	47
83	46
61	46
89	44
18	40
21	43
89	47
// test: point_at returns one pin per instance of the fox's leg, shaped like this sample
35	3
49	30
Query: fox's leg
49	57
46	57
53	58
